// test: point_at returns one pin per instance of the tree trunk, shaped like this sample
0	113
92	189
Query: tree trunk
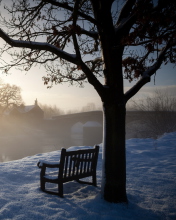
114	154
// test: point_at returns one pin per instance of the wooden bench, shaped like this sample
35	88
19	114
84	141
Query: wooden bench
73	165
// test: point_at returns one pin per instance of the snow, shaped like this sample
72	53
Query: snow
151	181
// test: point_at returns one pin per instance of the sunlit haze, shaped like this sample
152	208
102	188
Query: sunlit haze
73	97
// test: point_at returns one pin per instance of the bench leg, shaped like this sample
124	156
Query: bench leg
94	180
42	180
60	189
42	184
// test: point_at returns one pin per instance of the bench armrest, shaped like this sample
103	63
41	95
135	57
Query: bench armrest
42	164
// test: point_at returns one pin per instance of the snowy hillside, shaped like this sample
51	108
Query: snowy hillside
151	187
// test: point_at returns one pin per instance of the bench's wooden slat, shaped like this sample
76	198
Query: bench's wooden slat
65	168
88	163
85	165
70	165
73	166
81	161
77	164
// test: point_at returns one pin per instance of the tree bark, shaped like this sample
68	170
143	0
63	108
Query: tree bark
114	154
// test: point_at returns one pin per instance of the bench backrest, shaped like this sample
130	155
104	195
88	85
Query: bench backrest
78	164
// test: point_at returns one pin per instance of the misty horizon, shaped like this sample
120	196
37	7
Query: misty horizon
20	139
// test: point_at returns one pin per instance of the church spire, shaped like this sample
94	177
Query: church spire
36	103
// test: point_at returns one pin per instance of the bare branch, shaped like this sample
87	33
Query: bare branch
38	46
126	19
92	34
75	17
93	80
148	73
125	12
66	6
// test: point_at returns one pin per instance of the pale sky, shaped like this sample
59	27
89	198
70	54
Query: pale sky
74	98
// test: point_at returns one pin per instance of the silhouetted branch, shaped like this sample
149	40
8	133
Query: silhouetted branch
38	46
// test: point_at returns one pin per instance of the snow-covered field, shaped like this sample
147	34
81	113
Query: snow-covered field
151	187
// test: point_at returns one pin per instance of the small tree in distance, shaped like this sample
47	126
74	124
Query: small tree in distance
89	107
50	111
10	95
82	40
159	113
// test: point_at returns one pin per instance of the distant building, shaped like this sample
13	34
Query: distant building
30	113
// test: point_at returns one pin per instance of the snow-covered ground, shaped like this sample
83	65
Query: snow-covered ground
151	187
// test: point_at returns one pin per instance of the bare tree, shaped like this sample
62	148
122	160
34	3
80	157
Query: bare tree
50	111
89	107
159	113
72	111
10	95
83	40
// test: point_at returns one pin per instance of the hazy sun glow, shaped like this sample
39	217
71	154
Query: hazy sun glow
73	97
